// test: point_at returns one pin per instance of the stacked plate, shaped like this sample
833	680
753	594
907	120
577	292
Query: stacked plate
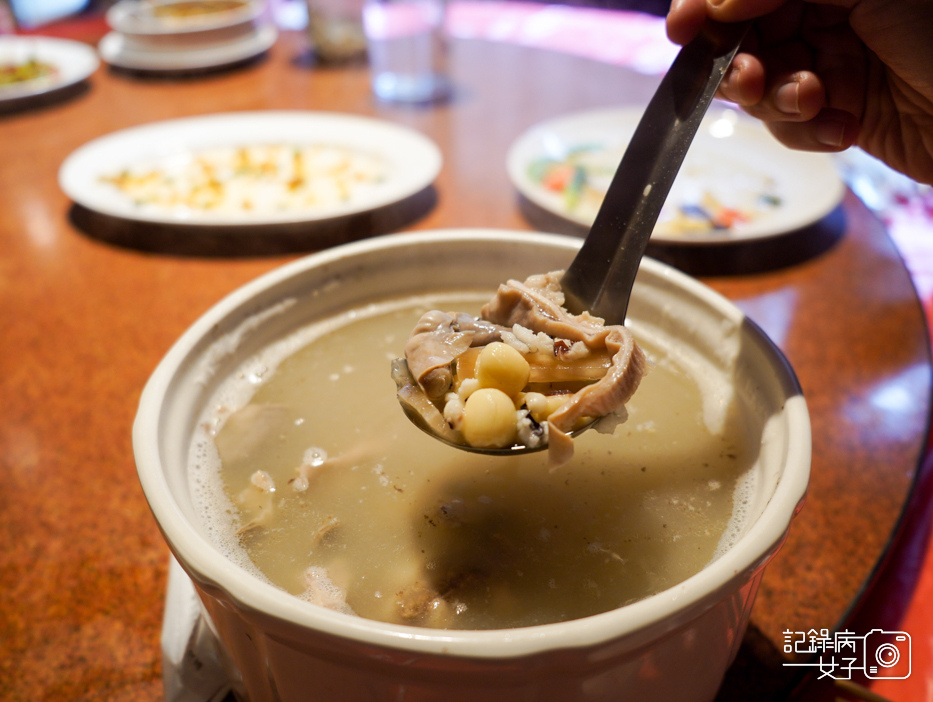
185	35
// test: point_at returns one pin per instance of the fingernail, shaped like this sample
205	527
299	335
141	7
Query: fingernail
786	99
715	3
830	132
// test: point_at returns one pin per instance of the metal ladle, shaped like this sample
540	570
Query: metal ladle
601	275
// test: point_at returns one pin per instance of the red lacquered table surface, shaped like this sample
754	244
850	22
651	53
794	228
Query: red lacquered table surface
88	306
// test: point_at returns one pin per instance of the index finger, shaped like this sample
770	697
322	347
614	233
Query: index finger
687	16
741	10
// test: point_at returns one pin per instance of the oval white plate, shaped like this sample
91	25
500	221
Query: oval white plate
412	161
733	158
75	62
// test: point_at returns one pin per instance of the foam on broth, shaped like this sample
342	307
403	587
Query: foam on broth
308	473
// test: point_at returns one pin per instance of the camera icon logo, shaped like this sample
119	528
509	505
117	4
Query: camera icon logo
887	655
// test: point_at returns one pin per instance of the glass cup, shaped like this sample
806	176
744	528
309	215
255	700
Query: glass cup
407	49
335	28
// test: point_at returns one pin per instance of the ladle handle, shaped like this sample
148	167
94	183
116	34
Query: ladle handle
601	276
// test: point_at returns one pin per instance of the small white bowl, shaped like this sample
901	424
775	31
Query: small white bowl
675	645
143	29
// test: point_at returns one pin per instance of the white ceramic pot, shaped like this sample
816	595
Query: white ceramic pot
675	645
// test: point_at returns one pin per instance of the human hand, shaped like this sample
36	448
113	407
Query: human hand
824	75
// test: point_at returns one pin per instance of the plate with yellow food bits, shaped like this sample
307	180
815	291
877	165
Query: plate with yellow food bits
736	183
250	168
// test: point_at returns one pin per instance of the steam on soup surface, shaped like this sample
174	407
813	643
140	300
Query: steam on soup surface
321	485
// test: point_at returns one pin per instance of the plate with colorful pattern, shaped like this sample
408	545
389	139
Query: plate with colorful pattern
737	182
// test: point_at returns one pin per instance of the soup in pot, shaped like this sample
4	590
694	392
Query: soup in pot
308	473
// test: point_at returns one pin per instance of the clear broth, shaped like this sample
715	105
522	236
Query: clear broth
395	526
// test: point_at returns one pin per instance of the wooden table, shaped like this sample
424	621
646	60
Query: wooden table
88	307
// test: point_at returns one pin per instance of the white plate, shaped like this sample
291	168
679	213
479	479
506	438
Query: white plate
116	50
412	161
73	60
734	170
